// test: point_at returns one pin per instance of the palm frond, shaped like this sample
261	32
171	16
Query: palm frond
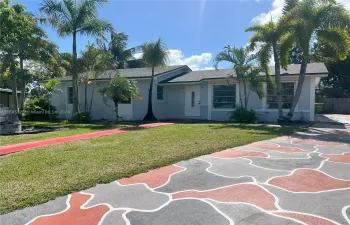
155	54
285	46
256	28
256	38
96	27
337	39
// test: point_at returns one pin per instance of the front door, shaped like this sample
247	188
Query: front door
192	100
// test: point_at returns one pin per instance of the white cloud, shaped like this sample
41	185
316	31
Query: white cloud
195	62
275	13
277	10
346	3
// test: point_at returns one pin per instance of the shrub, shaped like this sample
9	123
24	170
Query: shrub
82	117
242	115
38	109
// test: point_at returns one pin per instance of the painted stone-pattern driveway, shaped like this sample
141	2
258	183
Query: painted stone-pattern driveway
299	179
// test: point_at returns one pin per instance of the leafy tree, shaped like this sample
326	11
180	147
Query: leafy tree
20	39
246	75
154	55
73	17
119	89
324	21
268	36
93	61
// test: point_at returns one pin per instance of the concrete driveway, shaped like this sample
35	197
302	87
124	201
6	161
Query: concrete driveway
299	179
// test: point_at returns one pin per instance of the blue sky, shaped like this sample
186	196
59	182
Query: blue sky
194	30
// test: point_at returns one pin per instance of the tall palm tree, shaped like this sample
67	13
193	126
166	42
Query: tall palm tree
154	55
268	36
323	20
121	54
242	61
73	17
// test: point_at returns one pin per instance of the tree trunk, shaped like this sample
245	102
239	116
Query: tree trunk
85	95
278	81
116	112
245	95
150	116
75	79
23	85
14	92
92	95
297	94
240	93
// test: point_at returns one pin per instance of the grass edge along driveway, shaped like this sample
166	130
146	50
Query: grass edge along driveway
39	175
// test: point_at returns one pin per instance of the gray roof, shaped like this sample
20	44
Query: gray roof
312	68
132	73
196	76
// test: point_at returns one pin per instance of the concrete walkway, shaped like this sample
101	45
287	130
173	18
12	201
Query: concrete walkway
52	141
299	179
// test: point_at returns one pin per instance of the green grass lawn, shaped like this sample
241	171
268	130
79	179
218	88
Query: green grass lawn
61	129
36	176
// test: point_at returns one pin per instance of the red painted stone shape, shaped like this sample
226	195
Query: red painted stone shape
248	193
344	158
74	215
275	147
314	142
234	153
307	180
153	178
307	219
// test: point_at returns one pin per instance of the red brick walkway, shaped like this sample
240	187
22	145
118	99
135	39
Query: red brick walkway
52	141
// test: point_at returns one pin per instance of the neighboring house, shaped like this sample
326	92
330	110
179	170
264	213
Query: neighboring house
6	97
180	93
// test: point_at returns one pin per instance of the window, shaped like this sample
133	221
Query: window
70	95
192	98
224	96
160	92
287	96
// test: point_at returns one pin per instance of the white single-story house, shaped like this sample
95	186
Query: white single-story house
180	93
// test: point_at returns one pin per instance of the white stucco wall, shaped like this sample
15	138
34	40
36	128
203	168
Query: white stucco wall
173	105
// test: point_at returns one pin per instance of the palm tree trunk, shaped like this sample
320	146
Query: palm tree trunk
240	93
14	92
150	116
245	95
297	94
85	95
92	95
75	79
116	112
278	81
23	85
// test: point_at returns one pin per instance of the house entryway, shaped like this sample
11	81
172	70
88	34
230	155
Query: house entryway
192	101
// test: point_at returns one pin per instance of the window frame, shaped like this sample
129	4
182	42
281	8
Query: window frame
265	108
157	92
69	102
212	97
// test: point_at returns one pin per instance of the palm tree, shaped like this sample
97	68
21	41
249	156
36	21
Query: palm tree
73	17
242	61
154	55
119	89
268	35
121	54
310	20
